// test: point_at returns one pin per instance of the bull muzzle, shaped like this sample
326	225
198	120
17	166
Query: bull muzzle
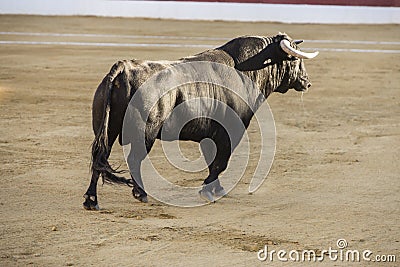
302	85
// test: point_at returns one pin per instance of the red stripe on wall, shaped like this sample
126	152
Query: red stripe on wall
382	3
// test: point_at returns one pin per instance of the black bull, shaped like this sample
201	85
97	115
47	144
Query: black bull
273	64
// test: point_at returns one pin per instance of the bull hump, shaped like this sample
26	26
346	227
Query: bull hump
214	55
244	47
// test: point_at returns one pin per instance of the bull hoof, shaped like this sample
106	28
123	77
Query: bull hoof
143	199
206	195
220	193
90	203
141	196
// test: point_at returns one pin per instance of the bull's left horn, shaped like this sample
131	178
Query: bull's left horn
285	45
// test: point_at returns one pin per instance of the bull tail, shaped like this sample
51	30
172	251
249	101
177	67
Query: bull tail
100	147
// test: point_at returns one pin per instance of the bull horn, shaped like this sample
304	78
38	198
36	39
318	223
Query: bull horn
285	45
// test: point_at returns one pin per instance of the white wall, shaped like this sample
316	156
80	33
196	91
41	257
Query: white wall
205	11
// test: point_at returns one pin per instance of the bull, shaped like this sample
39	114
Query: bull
273	64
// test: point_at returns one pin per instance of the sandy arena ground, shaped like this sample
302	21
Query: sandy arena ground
336	172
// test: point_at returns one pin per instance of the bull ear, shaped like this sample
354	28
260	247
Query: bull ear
297	42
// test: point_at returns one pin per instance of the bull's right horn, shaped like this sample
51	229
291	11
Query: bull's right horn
285	45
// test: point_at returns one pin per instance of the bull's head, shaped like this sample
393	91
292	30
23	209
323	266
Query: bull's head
295	74
278	59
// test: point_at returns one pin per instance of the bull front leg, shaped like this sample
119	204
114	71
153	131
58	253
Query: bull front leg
212	188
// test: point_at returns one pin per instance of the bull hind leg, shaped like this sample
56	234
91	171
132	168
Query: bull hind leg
135	159
217	158
138	191
91	202
91	193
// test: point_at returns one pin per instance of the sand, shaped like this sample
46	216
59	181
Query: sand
335	174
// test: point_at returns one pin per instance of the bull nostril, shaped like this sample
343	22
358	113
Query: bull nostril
308	85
